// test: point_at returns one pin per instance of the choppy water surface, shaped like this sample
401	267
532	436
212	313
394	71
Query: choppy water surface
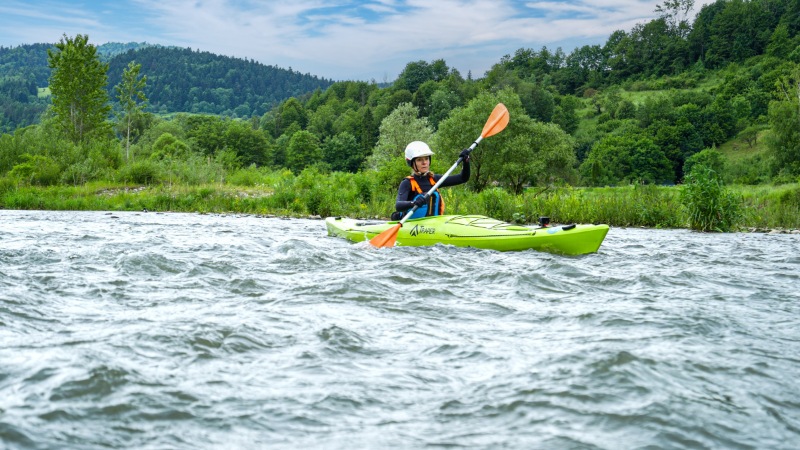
144	330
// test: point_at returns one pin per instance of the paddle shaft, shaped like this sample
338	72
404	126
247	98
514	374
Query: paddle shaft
441	180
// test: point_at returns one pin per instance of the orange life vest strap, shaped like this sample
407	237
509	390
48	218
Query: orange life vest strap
416	188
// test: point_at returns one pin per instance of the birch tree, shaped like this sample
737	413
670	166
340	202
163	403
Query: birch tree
78	87
132	100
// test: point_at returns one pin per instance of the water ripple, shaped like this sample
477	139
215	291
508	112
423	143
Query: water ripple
142	330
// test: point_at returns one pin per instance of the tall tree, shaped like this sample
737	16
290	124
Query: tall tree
540	154
488	160
784	117
342	153
625	156
130	92
676	14
396	130
250	146
304	150
77	84
565	113
415	73
291	111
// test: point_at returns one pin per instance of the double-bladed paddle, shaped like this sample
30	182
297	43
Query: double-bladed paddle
496	123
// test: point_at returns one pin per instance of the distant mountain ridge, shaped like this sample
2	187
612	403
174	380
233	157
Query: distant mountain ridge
111	49
202	82
178	80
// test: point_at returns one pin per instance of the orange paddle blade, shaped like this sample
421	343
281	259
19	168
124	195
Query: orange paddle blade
387	238
497	121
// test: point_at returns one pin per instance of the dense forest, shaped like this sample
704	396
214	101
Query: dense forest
180	80
23	70
640	109
201	82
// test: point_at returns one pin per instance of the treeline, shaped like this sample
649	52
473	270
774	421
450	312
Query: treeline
28	62
181	80
636	109
109	50
22	70
20	104
186	80
643	108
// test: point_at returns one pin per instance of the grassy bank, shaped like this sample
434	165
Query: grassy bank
309	194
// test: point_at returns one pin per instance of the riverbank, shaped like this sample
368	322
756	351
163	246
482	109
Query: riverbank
773	230
766	209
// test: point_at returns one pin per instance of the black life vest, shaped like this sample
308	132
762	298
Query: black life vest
435	206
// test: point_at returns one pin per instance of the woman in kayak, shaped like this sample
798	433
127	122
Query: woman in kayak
413	188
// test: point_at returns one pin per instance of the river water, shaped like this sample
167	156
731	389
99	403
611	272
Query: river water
187	331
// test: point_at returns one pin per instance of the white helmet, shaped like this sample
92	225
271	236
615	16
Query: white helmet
415	150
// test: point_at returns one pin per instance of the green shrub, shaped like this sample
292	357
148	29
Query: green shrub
22	199
141	172
785	175
365	186
790	197
250	176
321	201
498	204
654	206
7	184
709	205
752	170
284	195
168	146
79	173
196	170
709	157
36	170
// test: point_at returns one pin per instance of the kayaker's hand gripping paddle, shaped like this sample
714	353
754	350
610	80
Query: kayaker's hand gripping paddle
496	123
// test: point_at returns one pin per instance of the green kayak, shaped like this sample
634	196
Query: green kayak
476	231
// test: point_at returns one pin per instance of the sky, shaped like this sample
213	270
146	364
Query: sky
335	39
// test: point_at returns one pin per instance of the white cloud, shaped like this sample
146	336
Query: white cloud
335	38
559	7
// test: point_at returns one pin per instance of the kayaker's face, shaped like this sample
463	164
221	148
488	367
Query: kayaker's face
422	164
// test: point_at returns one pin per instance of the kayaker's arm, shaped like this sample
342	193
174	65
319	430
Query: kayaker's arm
404	191
460	178
402	203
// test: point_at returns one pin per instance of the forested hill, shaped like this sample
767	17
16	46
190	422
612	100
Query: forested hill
25	62
202	82
112	49
28	63
178	80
